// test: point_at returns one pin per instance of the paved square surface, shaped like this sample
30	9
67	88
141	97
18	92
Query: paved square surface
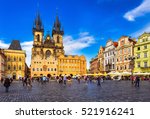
109	91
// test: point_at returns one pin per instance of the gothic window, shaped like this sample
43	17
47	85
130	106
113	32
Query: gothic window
58	39
48	53
38	38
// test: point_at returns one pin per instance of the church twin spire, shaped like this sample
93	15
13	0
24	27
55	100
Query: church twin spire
38	26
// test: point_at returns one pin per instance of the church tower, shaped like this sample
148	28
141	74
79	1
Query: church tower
57	35
38	32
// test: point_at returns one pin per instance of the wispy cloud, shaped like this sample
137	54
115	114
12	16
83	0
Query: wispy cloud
141	10
3	44
73	46
141	31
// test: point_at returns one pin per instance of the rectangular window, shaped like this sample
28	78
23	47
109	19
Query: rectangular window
145	64
37	69
145	47
138	48
138	55
138	65
145	55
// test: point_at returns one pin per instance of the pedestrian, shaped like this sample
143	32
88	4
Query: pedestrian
99	81
29	81
65	79
24	81
78	79
2	80
7	83
137	81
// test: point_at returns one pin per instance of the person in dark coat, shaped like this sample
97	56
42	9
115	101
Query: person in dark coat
137	81
7	83
99	81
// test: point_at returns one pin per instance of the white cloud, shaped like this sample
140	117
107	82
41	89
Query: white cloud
3	45
73	46
27	46
141	10
141	31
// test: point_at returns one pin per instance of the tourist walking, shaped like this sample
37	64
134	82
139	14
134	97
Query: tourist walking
24	81
137	81
99	81
7	83
65	79
29	82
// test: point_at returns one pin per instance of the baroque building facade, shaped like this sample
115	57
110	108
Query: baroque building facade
124	53
15	60
109	56
48	55
142	53
2	64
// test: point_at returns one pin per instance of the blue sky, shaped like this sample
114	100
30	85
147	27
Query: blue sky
88	24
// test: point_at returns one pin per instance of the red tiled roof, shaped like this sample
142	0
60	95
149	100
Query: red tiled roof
115	44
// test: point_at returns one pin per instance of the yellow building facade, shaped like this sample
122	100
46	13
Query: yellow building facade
2	64
48	55
142	53
15	61
68	64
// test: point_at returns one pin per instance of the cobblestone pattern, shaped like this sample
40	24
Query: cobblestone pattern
109	91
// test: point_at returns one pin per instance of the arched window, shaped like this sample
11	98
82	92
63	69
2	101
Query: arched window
38	38
58	39
48	53
14	67
14	58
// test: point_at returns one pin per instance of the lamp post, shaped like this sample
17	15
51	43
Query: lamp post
132	58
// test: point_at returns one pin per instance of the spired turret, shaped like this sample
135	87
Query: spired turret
57	27
38	26
38	31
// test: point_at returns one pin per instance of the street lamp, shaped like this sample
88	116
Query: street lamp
132	58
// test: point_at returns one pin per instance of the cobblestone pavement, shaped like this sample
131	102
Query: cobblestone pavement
110	91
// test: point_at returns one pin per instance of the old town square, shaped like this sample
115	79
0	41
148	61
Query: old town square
51	51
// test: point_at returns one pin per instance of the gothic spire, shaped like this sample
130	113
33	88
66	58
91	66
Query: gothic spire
57	27
38	26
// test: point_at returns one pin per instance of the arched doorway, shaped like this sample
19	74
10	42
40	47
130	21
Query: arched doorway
48	75
14	76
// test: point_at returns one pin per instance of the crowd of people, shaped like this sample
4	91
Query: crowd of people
27	81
